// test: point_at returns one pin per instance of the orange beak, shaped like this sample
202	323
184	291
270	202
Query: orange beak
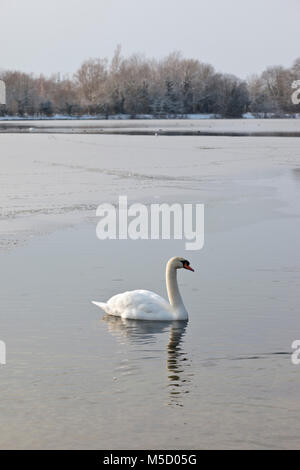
188	267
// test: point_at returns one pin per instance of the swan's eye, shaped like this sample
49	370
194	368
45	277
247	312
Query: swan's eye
186	265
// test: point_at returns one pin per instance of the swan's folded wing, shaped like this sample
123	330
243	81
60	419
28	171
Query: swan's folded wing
140	304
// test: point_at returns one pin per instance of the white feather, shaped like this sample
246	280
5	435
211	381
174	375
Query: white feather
146	305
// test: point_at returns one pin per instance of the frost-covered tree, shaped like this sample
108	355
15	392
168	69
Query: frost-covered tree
138	85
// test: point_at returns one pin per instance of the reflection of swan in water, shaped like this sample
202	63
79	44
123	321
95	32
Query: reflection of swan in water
144	333
176	363
136	331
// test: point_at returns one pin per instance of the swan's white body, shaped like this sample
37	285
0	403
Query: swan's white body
146	305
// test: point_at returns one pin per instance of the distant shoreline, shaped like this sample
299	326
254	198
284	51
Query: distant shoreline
157	127
148	117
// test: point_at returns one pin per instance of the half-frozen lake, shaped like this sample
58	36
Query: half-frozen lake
75	380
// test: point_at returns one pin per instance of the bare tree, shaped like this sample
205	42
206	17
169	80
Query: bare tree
138	85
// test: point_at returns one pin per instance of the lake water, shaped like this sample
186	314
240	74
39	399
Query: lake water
75	379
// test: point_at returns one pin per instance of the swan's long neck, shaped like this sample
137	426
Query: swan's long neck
175	299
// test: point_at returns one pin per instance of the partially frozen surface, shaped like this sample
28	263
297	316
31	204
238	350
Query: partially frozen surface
75	380
56	180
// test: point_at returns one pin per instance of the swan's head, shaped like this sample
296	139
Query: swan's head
179	263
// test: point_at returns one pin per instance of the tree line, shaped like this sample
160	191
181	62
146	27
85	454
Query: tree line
137	85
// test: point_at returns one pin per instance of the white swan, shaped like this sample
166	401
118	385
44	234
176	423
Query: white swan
146	305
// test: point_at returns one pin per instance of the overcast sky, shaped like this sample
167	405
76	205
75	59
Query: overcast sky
236	36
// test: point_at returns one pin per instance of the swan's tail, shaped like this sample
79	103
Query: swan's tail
102	305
